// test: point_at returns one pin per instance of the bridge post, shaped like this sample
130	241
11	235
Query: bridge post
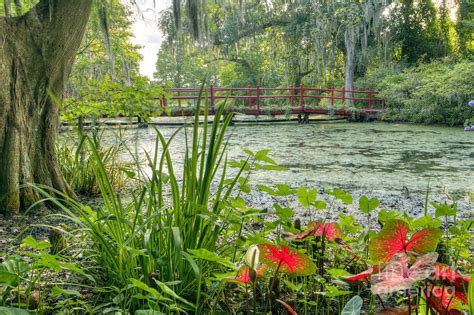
383	103
292	96
258	99
211	91
301	96
250	97
332	97
163	104
369	101
343	98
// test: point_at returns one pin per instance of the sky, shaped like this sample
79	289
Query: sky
147	34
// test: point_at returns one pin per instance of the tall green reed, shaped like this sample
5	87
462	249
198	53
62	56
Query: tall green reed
140	248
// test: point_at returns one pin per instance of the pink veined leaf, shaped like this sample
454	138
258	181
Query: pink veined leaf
287	259
331	230
291	310
446	273
397	276
363	275
392	239
299	236
445	299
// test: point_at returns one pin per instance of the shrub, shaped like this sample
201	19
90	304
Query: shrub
434	93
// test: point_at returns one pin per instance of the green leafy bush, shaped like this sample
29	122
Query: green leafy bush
434	93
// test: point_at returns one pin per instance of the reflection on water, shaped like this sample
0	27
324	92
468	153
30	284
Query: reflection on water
373	156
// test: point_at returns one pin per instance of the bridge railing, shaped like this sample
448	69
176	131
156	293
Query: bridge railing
257	99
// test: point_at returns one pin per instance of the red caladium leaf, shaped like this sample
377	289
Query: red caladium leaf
291	310
243	275
363	275
397	276
392	239
331	230
445	300
286	260
445	273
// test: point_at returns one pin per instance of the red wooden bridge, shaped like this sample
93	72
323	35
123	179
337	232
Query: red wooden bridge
276	101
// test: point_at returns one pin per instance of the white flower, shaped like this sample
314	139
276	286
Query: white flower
251	257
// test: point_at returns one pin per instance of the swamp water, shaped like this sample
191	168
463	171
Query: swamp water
389	161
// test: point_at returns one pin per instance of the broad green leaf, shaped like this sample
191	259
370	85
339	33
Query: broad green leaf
341	194
284	214
29	241
353	307
140	285
306	197
262	155
444	210
385	215
12	311
167	290
248	152
348	223
15	265
367	205
57	291
8	278
320	205
238	202
332	291
266	189
338	273
292	286
426	222
204	254
284	190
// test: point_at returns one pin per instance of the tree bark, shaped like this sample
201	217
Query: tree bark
37	51
350	43
7	6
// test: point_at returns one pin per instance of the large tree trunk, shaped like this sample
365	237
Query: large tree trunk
350	43
36	55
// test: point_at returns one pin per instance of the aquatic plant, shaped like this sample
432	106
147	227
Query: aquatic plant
392	239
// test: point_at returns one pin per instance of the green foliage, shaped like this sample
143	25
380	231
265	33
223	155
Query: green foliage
172	248
111	98
353	307
434	93
105	80
160	230
367	205
22	274
74	158
417	29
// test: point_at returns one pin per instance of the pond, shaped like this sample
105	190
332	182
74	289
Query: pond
372	156
378	159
